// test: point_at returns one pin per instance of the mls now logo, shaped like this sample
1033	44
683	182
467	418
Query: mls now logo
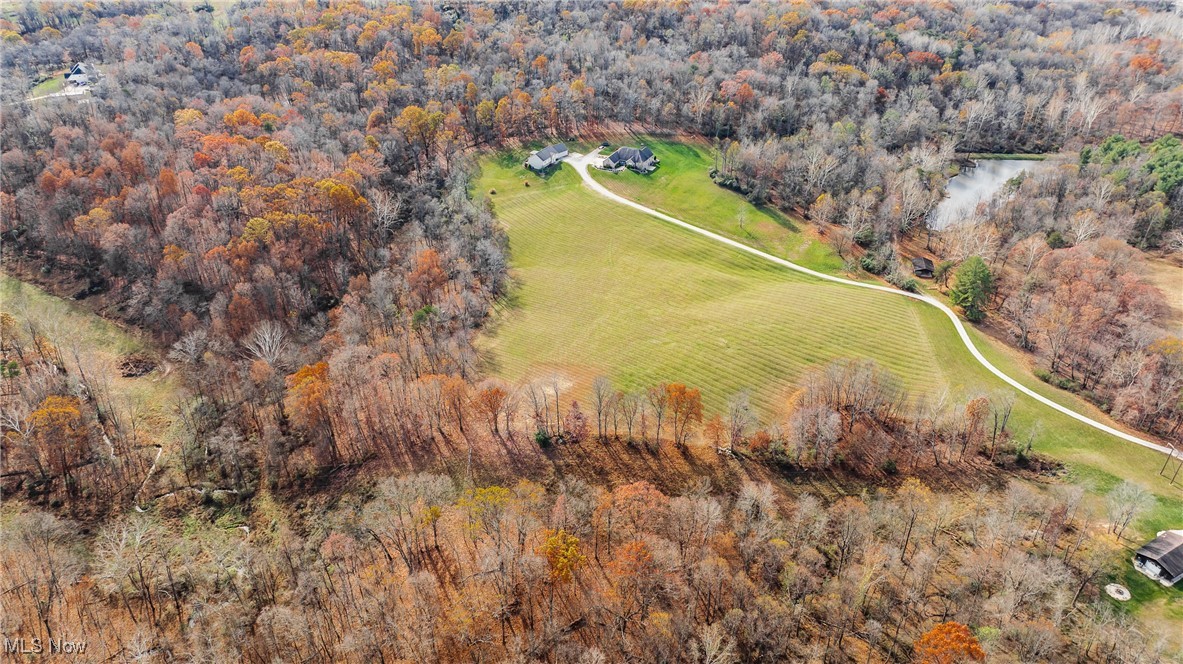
39	646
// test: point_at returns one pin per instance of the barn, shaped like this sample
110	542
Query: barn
1162	558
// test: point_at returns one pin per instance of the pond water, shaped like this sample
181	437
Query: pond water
974	185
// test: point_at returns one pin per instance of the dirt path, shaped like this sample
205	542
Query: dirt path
583	162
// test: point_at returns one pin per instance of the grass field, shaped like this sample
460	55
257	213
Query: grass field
681	187
643	302
603	289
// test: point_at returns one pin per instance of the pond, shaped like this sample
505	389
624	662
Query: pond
974	185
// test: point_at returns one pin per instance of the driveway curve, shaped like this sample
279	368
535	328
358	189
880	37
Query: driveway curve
583	162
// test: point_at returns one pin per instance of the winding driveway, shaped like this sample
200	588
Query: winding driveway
583	162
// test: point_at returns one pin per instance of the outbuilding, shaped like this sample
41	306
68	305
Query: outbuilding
1162	558
922	267
547	157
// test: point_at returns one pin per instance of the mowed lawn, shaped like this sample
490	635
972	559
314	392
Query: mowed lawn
603	289
681	187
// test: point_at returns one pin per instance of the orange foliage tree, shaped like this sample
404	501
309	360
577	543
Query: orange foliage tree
307	395
60	435
948	643
686	409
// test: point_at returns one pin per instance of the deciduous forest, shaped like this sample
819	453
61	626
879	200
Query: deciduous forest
276	197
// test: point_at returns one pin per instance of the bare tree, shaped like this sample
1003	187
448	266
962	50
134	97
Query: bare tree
601	396
1124	503
739	418
267	342
386	209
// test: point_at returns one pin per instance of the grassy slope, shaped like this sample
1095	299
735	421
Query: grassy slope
99	344
681	187
605	289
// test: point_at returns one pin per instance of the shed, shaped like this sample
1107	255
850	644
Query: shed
922	267
1162	558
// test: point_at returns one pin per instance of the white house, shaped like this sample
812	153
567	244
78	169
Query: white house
638	159
81	74
547	156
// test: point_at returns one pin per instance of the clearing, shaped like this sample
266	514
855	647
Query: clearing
681	187
604	289
148	402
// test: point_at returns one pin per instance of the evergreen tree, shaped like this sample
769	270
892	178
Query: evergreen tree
973	286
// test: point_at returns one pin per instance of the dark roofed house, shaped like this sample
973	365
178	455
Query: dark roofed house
81	74
922	267
1162	559
547	156
639	159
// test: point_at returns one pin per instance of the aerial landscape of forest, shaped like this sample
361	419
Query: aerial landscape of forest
590	331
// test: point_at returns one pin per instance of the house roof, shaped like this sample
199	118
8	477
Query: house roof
921	263
1167	551
625	154
551	151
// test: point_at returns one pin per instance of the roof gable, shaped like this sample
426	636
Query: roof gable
551	151
1167	551
626	155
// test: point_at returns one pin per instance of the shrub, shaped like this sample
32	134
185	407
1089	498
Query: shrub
890	467
864	237
492	192
1021	458
1056	240
880	260
1057	380
901	279
871	265
542	438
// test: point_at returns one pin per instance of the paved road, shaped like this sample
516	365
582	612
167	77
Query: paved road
583	162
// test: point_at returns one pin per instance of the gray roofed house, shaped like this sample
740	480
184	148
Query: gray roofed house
1162	558
547	156
922	267
639	159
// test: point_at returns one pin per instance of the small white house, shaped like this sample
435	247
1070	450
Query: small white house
81	74
547	157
